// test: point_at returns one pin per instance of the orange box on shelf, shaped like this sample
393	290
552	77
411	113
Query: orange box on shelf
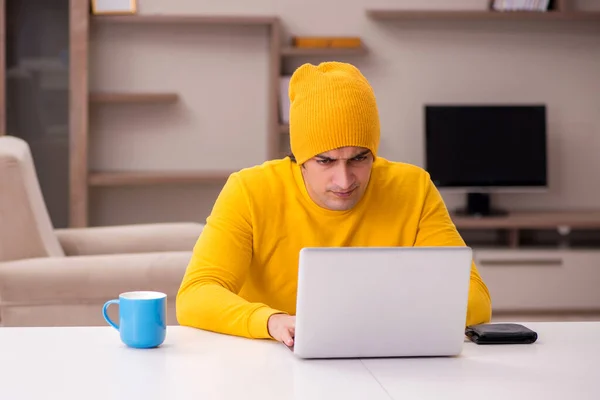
326	42
346	42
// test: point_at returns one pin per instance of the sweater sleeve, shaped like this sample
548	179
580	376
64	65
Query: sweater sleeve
437	229
208	295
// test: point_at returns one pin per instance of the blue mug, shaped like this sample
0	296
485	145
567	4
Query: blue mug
142	318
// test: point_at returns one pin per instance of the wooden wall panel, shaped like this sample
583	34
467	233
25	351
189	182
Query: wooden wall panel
78	112
274	136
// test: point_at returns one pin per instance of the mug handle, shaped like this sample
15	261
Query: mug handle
106	317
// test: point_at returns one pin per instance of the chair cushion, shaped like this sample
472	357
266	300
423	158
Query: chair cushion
72	290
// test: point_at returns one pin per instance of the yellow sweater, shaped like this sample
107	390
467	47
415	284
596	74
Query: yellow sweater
245	263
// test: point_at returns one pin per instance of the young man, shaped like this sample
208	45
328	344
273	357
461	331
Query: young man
334	191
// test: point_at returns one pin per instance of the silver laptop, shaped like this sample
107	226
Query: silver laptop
381	302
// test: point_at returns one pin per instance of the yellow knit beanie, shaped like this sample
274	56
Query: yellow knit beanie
332	105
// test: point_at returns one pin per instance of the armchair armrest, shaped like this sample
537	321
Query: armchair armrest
143	238
89	279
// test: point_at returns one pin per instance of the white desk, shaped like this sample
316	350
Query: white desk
564	363
91	363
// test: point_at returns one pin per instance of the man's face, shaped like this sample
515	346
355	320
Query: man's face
336	180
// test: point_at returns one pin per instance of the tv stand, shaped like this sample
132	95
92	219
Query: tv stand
479	205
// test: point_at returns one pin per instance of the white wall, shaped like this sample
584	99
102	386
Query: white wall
219	74
409	64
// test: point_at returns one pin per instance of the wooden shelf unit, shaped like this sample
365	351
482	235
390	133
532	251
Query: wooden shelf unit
155	178
125	98
516	222
322	51
81	179
532	220
410	15
561	10
186	19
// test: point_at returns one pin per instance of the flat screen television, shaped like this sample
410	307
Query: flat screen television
481	149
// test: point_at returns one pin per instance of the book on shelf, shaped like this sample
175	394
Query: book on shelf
521	5
319	42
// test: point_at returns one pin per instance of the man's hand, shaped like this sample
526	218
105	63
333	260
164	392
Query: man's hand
282	327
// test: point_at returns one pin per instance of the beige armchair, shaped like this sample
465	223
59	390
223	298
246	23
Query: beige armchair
63	277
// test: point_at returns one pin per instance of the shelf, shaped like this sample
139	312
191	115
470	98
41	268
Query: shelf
187	19
106	98
323	51
532	220
154	178
410	15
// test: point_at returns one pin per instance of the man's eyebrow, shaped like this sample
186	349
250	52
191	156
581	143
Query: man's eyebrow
362	153
322	157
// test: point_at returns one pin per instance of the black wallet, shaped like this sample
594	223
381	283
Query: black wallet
500	334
